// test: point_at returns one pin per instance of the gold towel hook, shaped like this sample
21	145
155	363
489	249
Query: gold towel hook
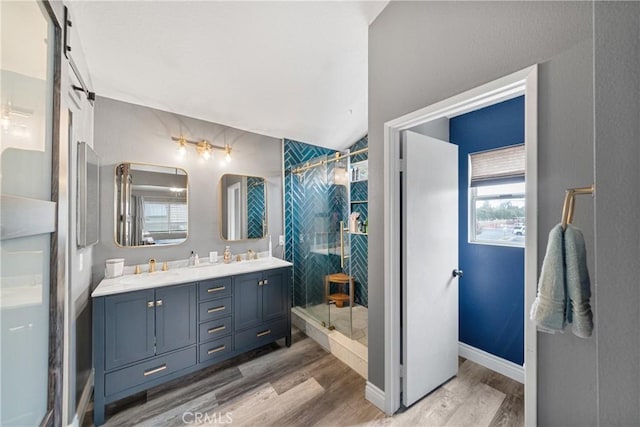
569	203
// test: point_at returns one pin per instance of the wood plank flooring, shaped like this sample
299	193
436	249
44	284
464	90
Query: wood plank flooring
306	386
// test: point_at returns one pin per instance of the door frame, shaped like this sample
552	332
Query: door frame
523	82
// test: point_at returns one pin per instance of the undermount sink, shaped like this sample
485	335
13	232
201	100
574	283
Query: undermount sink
145	277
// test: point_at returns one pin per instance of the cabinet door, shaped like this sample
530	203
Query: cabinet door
129	327
247	310
175	317
275	301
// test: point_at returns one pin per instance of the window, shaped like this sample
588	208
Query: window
165	217
497	197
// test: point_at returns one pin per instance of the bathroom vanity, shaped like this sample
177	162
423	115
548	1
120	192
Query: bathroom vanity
154	327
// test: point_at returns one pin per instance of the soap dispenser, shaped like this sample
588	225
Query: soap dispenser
226	257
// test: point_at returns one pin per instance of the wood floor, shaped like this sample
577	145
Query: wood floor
304	386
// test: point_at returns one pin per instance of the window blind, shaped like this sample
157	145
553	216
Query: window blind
498	166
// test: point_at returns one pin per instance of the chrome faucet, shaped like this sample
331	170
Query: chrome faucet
152	265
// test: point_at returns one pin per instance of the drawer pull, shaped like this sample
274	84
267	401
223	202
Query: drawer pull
218	329
150	304
213	310
155	370
261	334
217	349
219	288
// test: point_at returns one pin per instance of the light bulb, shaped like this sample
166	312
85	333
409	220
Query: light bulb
206	154
227	157
182	146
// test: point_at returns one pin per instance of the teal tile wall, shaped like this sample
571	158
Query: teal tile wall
301	208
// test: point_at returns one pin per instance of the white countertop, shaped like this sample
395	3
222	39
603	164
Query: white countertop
176	276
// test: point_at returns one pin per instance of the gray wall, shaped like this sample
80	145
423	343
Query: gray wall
617	155
128	132
443	48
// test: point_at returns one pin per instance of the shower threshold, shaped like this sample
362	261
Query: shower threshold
353	353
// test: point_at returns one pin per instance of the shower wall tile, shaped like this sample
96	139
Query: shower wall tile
296	153
321	208
360	243
256	207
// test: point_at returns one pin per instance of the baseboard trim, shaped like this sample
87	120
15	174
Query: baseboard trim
85	400
490	361
374	395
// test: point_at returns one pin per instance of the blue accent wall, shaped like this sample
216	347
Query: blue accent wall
491	301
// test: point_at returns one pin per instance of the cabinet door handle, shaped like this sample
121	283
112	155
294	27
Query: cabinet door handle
213	310
217	349
260	282
150	304
219	288
159	303
265	282
261	334
218	329
155	370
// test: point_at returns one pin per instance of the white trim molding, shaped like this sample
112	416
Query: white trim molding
523	82
374	395
491	361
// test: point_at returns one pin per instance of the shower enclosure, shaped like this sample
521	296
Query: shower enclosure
324	287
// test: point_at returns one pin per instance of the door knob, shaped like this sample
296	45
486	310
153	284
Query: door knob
457	273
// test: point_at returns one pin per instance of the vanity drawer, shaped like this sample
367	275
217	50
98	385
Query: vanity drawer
215	329
214	288
260	335
215	349
147	371
215	309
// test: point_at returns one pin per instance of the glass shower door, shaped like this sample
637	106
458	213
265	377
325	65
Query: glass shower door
320	209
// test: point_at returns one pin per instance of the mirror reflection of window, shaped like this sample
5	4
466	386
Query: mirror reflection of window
151	205
243	207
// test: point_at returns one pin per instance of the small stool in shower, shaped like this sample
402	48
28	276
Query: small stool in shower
341	280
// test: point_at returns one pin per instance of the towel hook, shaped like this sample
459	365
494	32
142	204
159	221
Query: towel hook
569	203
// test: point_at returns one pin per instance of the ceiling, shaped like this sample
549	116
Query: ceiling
293	70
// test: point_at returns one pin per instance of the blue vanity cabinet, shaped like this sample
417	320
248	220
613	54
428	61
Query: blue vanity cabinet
141	337
144	338
175	309
129	328
247	300
262	308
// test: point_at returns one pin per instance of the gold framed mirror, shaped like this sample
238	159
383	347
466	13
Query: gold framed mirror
151	205
243	207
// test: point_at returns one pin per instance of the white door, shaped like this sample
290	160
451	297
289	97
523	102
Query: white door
430	254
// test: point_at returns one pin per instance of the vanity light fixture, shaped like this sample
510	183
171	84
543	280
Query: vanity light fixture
182	146
203	147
